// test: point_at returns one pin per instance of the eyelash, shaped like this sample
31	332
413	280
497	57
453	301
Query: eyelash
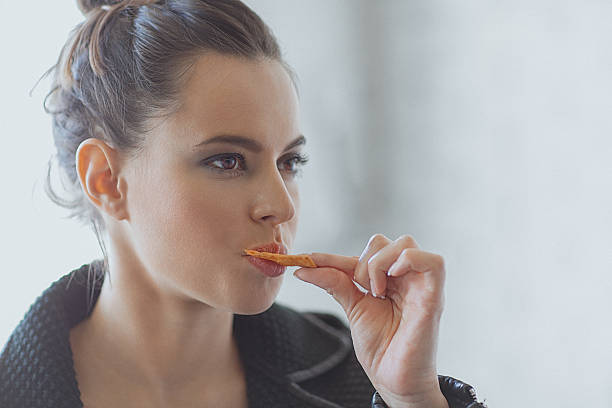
298	158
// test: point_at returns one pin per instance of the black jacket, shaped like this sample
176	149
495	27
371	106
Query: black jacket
291	359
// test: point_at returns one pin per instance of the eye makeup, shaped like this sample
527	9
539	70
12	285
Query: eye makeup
234	164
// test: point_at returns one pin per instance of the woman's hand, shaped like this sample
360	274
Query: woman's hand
395	338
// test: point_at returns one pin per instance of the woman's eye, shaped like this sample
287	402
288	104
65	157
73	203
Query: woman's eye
234	164
226	163
292	164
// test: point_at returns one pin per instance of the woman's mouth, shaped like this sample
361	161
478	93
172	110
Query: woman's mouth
269	268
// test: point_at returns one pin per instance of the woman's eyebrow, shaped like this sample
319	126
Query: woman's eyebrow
246	143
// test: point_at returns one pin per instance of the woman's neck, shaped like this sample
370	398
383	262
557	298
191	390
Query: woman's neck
150	339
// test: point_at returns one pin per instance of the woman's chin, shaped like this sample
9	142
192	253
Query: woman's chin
256	297
252	305
252	310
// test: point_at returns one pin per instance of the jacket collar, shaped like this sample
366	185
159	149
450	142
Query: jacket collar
280	345
289	349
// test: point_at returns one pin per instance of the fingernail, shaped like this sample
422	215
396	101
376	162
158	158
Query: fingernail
373	289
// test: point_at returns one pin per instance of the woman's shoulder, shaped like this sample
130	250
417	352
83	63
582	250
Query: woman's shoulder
36	361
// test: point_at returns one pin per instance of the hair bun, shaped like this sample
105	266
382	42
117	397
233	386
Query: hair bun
87	5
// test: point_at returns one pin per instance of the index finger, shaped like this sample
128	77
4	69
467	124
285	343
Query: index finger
346	264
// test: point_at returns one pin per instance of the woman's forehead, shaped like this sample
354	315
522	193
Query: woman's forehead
230	94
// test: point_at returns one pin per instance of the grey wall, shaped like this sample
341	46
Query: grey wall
482	128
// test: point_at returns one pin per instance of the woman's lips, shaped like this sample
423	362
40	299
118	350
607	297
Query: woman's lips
269	268
272	247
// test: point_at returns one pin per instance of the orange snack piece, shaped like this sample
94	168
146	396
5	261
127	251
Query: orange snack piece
285	260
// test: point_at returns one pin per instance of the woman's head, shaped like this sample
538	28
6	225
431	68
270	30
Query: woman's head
138	86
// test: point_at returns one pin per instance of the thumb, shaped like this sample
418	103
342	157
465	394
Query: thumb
335	282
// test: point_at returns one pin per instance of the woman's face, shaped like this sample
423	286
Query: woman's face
216	178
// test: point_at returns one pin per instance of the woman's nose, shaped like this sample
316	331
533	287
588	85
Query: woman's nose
273	201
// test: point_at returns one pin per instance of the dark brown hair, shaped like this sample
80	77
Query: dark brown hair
125	65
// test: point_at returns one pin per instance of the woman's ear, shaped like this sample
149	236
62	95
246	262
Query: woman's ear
97	166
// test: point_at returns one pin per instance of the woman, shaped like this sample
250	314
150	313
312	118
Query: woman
176	128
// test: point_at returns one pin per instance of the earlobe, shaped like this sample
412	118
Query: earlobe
97	168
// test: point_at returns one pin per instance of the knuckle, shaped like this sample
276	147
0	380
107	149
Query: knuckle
407	240
377	239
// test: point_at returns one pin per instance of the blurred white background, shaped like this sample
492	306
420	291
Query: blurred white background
481	128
